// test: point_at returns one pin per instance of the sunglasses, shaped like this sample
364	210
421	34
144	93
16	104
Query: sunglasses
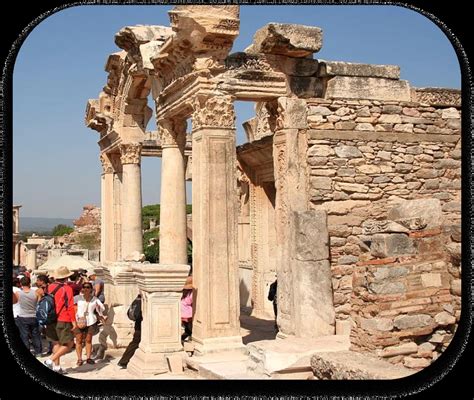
87	287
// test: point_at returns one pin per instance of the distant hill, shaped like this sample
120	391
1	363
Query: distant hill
29	224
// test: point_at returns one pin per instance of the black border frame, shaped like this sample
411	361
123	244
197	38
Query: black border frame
24	375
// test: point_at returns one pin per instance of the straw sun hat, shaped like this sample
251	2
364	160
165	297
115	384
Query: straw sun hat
61	273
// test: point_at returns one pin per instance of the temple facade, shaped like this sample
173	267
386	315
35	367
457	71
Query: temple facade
347	191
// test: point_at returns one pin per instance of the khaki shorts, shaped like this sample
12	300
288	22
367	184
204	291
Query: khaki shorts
60	332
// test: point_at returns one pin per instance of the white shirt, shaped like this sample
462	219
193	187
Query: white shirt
87	308
16	306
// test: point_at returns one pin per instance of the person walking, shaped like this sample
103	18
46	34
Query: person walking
187	309
42	282
98	287
87	307
61	331
28	297
273	297
135	314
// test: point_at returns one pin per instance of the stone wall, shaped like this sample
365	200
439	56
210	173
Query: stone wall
388	175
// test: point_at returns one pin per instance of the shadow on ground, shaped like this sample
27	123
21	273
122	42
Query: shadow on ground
254	329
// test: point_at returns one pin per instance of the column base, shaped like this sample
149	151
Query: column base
149	364
281	335
218	344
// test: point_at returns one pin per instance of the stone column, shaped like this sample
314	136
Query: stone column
161	288
216	321
173	243
31	257
289	149
107	203
131	210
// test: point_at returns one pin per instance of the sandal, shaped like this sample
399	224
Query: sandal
90	361
79	363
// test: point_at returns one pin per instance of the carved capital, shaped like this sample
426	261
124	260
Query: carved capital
214	112
172	133
130	153
106	164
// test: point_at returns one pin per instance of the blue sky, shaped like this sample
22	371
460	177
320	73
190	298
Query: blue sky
56	170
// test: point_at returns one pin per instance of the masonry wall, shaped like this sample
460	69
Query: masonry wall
395	265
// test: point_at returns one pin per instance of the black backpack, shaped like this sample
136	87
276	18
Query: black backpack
46	307
135	310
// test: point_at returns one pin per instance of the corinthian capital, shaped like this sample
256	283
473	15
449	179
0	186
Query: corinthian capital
214	112
106	164
130	153
172	132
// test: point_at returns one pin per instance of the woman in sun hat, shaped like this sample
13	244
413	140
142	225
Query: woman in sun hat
187	308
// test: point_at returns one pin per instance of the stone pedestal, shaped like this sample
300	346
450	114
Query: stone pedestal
132	239
161	288
173	241
31	256
216	320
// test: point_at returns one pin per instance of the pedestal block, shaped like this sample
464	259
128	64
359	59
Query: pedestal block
161	287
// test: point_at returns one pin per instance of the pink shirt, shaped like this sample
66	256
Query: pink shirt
187	306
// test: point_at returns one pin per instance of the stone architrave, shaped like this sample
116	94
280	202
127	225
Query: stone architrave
132	199
107	234
216	321
31	256
161	288
173	241
291	183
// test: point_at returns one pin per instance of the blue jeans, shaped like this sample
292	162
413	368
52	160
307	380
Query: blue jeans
29	327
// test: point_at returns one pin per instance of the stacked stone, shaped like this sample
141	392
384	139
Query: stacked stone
400	283
359	165
399	303
382	116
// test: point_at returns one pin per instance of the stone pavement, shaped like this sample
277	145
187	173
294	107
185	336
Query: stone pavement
265	357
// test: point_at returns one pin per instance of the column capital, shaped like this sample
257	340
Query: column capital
130	153
172	132
31	246
106	164
214	112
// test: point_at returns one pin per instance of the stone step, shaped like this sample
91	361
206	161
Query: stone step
195	362
291	354
227	370
353	365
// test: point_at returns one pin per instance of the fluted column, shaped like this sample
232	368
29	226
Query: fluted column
131	209
173	241
106	210
31	256
216	321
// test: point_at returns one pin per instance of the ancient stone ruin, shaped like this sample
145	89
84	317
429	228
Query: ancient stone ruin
347	191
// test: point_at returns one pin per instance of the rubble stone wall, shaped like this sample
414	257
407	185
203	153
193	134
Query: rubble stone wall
389	176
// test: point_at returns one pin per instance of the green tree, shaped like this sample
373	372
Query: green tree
151	211
152	249
61	229
151	245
